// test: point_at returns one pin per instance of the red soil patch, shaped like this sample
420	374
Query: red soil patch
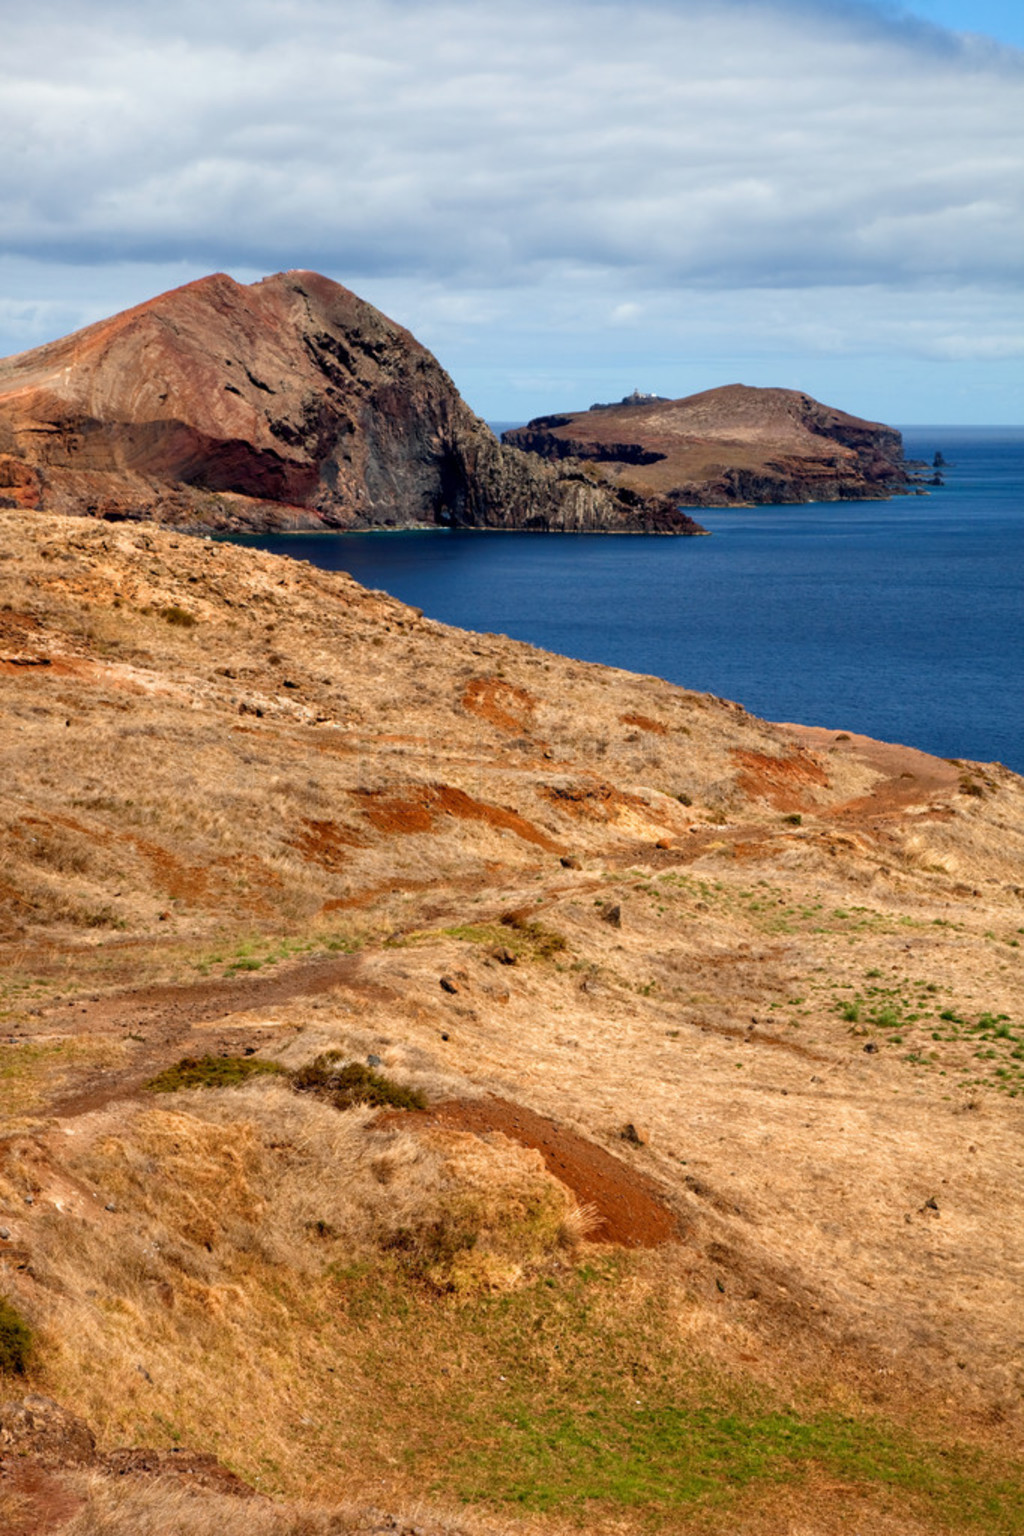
12	666
367	897
20	483
418	811
645	723
597	801
908	777
782	781
16	625
34	1501
499	703
632	1210
326	843
760	849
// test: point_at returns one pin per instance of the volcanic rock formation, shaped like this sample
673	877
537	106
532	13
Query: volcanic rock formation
729	445
287	403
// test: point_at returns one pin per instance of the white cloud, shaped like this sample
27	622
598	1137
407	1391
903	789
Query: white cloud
598	162
713	143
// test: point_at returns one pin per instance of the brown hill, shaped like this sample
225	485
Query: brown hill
714	1219
729	445
288	403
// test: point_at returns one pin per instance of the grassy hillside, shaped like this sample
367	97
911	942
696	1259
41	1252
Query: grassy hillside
712	1219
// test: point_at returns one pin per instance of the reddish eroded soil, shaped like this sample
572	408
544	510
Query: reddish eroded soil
644	723
33	1501
909	777
418	810
632	1211
327	844
783	781
499	703
594	800
41	1442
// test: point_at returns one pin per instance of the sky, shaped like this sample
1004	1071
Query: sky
564	199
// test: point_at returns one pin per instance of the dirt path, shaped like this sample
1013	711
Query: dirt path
909	777
627	1206
166	1017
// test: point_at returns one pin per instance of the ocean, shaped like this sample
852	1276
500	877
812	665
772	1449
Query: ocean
902	619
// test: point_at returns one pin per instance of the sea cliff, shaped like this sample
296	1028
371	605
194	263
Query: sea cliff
287	403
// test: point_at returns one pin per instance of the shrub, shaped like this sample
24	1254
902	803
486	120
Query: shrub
15	1341
210	1072
179	616
545	942
345	1083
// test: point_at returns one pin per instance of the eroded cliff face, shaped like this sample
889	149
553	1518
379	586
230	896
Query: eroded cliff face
288	403
730	445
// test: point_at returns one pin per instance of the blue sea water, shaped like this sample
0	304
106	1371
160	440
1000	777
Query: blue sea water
901	619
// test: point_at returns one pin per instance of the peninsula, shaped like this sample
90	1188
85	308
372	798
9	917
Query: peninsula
722	447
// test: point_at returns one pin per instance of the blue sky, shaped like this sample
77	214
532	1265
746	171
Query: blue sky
564	200
1002	19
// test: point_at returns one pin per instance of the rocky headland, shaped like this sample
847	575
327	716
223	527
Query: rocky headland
728	446
287	403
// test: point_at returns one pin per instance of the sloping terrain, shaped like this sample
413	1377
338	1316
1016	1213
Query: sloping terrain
287	403
728	445
712	1218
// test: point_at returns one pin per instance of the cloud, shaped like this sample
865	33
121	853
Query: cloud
668	193
482	144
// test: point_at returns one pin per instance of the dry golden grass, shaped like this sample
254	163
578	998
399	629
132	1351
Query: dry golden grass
818	1025
199	1252
158	1508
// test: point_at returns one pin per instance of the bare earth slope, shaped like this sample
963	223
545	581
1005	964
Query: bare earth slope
733	444
290	402
713	1219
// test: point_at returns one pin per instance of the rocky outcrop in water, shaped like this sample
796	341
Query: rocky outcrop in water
728	446
287	403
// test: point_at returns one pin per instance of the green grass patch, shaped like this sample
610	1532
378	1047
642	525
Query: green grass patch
571	1397
212	1072
344	1083
907	1012
521	937
477	933
15	1340
665	1458
543	943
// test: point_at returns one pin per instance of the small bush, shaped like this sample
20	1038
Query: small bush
179	616
794	819
544	942
345	1083
210	1072
15	1341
